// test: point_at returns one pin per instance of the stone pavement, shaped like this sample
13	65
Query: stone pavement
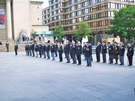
24	78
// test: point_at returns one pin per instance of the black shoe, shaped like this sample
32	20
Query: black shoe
103	62
120	64
73	63
67	62
60	61
110	63
116	63
78	64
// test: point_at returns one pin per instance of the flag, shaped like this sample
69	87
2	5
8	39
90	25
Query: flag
2	17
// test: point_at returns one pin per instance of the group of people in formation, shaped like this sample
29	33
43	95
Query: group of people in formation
74	50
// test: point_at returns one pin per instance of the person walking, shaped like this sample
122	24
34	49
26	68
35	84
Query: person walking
7	46
130	53
116	52
16	48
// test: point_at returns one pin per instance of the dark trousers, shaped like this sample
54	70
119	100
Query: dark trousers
23	38
33	53
79	59
88	61
30	53
40	53
130	58
48	55
67	56
104	57
39	38
56	53
44	54
98	57
15	52
60	57
111	58
74	58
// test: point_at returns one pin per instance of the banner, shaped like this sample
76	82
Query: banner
2	19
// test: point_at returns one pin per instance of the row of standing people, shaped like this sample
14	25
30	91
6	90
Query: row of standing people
115	52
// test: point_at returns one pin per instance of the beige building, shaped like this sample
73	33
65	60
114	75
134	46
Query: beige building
97	13
20	17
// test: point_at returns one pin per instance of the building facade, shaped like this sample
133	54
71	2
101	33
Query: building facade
97	13
20	17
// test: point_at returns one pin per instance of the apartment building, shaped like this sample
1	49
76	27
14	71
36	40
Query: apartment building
97	13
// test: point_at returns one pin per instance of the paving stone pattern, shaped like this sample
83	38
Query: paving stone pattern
24	78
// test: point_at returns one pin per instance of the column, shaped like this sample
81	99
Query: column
9	25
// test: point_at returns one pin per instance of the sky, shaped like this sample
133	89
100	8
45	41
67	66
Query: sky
45	4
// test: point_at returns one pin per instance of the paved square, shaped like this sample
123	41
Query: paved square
24	78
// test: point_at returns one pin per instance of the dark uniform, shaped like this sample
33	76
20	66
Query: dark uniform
60	50
73	52
53	49
47	50
121	54
32	48
27	49
88	54
98	50
67	51
43	50
116	53
130	53
104	51
78	53
36	49
56	50
40	50
110	51
84	50
16	48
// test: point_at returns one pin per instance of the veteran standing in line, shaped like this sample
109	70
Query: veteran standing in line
53	49
79	52
121	53
60	50
36	50
116	52
110	52
98	51
104	51
67	51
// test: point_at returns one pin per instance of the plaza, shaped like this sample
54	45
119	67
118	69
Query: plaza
24	78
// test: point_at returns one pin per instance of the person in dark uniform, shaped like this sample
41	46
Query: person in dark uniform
56	49
88	54
48	50
43	50
70	51
121	53
73	52
32	48
16	48
40	50
98	51
36	50
91	47
60	50
110	52
84	50
104	51
79	52
67	51
130	53
53	49
26	49
116	52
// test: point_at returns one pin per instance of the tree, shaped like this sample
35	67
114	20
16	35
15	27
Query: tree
59	32
123	22
83	30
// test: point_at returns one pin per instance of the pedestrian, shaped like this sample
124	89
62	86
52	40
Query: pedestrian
73	52
116	52
43	50
16	48
121	53
88	54
104	51
36	50
98	51
39	37
53	50
79	52
48	50
40	49
7	46
67	51
84	50
110	52
60	50
130	53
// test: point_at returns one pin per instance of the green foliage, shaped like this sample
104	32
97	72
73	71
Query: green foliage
83	30
123	22
59	32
